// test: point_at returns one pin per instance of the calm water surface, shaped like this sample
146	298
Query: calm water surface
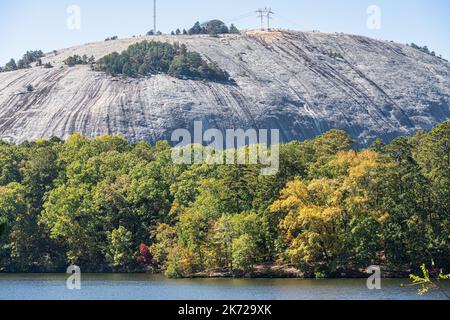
149	287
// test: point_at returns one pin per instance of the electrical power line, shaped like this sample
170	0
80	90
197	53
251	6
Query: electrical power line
265	13
261	13
290	21
268	13
241	17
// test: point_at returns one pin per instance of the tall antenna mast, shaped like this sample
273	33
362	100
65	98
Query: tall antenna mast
269	12
260	13
154	16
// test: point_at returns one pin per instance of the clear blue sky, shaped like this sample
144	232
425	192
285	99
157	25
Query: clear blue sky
41	24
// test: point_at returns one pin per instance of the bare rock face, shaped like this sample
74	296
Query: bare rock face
301	83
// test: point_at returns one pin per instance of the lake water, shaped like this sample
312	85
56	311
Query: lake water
149	287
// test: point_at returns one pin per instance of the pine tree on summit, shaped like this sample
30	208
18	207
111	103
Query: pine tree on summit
11	65
234	30
196	29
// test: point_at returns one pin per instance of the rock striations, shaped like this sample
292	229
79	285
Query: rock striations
303	83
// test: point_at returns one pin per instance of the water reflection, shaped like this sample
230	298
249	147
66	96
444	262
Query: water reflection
149	287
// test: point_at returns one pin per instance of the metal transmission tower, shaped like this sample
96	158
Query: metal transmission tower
260	13
265	13
154	16
268	13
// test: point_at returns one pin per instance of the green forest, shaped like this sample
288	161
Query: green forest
150	58
111	206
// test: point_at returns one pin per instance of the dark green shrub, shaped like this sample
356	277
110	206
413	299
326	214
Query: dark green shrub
11	65
25	62
212	27
234	30
112	38
78	60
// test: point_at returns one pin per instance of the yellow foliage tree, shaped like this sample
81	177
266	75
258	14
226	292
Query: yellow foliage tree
318	212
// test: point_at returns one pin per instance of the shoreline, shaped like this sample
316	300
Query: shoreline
268	271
